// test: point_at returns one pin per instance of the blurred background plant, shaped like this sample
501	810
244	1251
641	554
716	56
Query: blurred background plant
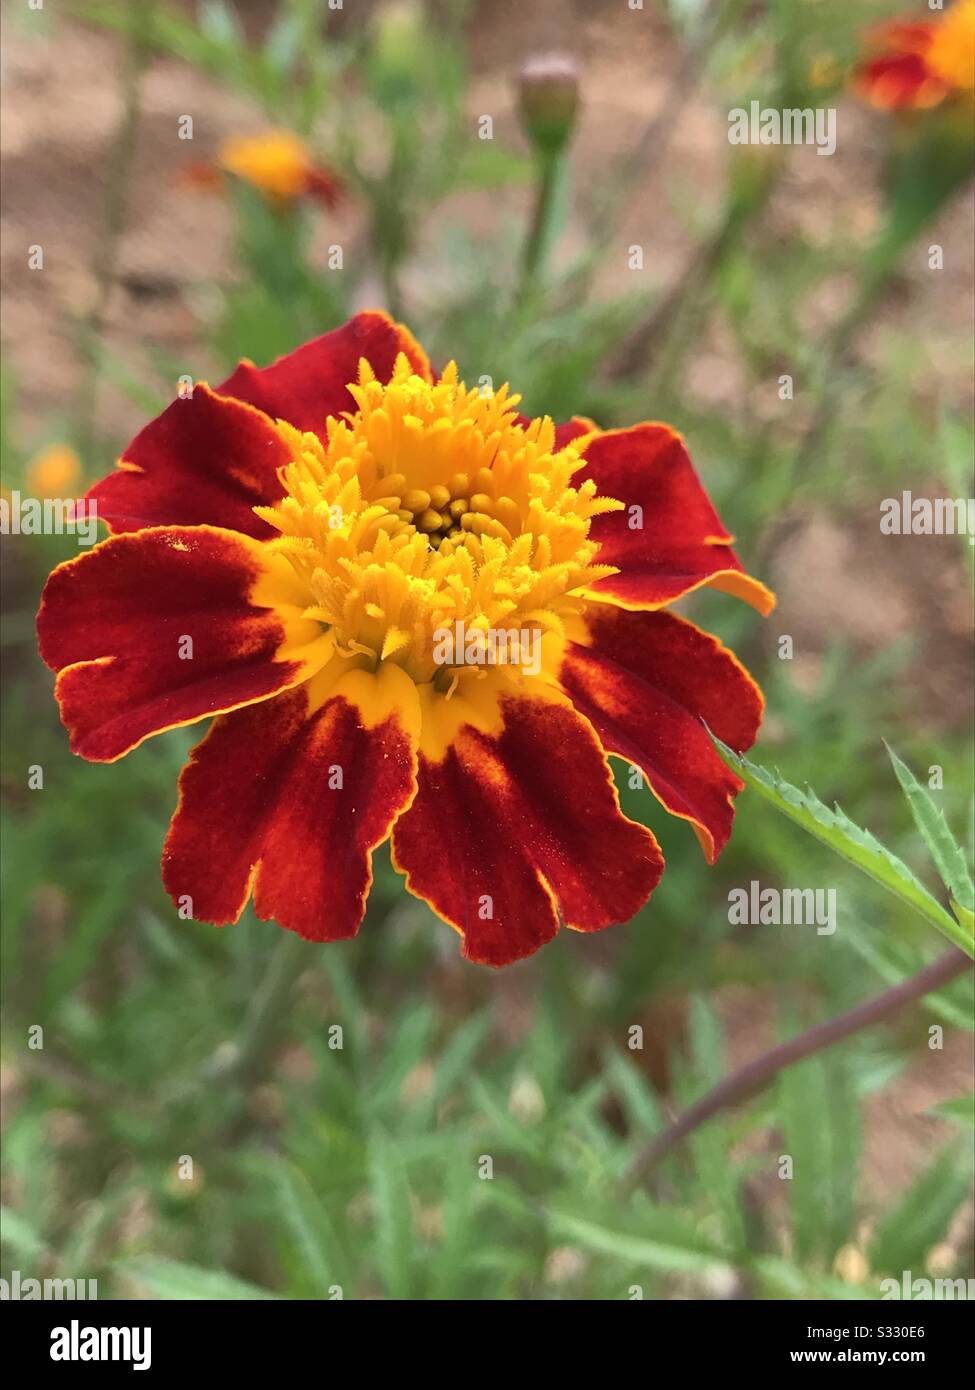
194	1125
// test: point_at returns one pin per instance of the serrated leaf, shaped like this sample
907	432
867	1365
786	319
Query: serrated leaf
965	916
856	845
945	851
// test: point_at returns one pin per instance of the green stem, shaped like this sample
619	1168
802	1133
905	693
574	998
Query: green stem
241	1061
636	169
539	237
140	19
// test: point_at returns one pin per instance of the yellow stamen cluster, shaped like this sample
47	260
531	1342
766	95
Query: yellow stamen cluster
431	505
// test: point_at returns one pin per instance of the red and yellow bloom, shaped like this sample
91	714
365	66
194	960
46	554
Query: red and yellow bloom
921	63
277	163
288	550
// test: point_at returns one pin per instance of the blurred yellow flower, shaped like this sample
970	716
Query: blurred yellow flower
279	165
53	472
951	54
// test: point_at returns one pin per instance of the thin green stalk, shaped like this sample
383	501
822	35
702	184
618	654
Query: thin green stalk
637	167
646	346
141	15
242	1060
540	229
831	385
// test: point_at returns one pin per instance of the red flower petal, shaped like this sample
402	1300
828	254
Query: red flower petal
572	429
114	624
645	681
210	458
898	82
513	826
902	35
675	542
325	187
206	460
261	807
310	384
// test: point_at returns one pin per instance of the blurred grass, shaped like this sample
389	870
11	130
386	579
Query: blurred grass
359	1170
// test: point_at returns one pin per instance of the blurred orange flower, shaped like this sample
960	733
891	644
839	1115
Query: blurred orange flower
53	472
920	63
277	163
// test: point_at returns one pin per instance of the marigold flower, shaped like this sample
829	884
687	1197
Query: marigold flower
288	551
921	63
277	163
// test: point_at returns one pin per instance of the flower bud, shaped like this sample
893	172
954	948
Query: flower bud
399	59
548	98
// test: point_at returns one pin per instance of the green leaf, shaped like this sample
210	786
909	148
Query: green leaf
919	1220
709	1145
170	1279
393	1217
307	1218
819	1118
965	916
923	173
836	830
457	1058
894	959
961	1109
220	23
20	1235
282	47
930	821
633	1092
635	1249
461	1239
778	1279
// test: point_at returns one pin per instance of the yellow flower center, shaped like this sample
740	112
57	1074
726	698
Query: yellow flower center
431	506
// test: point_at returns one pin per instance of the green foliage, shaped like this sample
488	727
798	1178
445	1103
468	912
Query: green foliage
961	1109
169	1279
930	820
922	1216
835	829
